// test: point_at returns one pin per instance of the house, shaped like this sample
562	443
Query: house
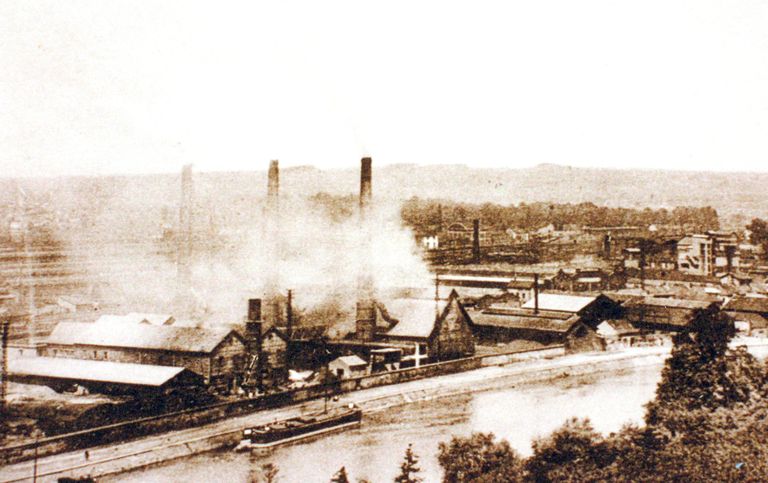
619	333
705	254
664	314
435	330
217	353
345	367
750	314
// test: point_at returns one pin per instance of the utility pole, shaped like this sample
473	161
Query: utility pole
3	366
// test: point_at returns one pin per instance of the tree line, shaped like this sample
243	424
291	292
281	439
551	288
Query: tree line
428	214
707	422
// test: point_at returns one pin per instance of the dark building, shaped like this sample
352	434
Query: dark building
665	314
750	314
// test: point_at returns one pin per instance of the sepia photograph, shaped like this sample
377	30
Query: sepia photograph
367	242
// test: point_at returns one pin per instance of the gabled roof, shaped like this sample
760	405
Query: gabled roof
153	319
140	336
351	361
415	317
560	303
136	318
93	371
616	327
747	304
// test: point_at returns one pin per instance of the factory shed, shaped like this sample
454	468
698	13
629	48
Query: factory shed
665	314
750	314
100	376
546	328
217	354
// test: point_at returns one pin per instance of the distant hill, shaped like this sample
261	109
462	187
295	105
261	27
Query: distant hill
734	195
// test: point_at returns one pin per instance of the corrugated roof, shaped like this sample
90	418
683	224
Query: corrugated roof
616	327
416	318
95	371
548	324
560	303
139	336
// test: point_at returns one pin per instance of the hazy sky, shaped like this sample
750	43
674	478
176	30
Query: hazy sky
91	87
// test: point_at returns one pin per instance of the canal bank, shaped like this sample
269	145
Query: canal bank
515	379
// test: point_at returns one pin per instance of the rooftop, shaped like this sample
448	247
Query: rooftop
352	361
94	371
534	322
560	303
139	336
668	303
747	304
415	317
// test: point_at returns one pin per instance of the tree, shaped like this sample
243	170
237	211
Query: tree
479	457
269	472
409	468
759	234
575	446
340	476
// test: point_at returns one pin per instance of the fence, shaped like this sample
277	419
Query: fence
215	412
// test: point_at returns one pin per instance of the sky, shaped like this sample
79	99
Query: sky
105	86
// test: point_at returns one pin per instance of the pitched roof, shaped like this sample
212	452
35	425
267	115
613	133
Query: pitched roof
139	336
534	322
560	303
351	361
747	304
669	303
94	371
136	318
616	327
415	317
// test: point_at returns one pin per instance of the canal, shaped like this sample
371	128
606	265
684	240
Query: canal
517	413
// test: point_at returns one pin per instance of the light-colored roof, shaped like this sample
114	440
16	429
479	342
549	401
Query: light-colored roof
95	371
154	319
560	303
139	336
351	361
416	318
474	278
136	318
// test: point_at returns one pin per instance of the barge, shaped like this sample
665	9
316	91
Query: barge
299	428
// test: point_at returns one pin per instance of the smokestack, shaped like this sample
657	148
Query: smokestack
272	236
254	342
476	241
366	190
184	240
289	315
365	319
535	293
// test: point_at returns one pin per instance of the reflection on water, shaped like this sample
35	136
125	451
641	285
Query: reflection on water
375	449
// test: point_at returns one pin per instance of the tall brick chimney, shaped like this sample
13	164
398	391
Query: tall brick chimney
365	314
184	236
253	331
476	241
271	307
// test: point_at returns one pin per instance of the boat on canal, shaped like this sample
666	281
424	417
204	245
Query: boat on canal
299	428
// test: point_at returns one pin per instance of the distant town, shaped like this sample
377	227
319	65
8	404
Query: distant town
127	305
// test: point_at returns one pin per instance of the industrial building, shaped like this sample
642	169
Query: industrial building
216	354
